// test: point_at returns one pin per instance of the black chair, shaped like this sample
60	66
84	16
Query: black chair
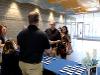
93	71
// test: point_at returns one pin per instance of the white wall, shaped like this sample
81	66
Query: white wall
80	48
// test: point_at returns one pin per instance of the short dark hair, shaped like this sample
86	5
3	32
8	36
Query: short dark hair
33	17
66	29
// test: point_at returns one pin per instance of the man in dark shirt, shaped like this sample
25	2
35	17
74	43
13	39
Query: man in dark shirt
53	36
32	43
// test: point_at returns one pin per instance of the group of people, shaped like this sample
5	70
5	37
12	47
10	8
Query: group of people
8	55
60	40
32	44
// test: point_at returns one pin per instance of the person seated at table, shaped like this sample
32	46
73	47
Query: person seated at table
10	60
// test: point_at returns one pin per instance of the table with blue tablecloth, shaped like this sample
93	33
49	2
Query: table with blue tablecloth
63	67
98	70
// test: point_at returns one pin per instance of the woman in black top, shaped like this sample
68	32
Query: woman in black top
10	60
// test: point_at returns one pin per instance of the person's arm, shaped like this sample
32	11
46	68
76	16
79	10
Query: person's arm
47	52
46	45
54	42
15	45
18	40
1	45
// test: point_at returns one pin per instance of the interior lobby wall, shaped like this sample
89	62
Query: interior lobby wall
14	16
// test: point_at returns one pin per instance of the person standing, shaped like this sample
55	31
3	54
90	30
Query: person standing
32	43
3	38
65	46
3	32
54	37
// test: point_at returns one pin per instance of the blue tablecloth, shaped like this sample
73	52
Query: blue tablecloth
57	64
98	71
